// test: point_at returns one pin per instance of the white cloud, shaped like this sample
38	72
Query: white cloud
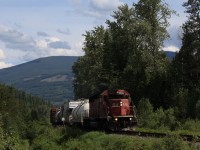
95	14
22	47
105	5
41	44
171	48
16	40
44	48
59	45
75	2
42	34
66	31
80	44
98	9
62	52
2	58
4	65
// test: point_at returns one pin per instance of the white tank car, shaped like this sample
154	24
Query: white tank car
80	112
67	108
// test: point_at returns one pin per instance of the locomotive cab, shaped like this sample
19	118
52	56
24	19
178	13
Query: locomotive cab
119	104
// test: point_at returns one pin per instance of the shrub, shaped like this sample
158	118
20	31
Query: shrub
191	125
44	142
160	119
70	133
173	142
145	113
197	110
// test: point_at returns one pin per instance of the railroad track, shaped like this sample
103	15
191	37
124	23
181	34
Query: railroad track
185	137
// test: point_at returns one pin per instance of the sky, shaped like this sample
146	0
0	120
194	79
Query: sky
31	29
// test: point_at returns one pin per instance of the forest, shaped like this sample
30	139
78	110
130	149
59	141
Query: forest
20	115
126	54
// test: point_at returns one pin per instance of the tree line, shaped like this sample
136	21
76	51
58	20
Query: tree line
128	54
19	113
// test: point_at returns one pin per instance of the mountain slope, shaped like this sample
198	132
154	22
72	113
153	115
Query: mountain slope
50	77
170	54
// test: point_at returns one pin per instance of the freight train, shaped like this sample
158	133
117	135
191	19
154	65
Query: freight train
111	109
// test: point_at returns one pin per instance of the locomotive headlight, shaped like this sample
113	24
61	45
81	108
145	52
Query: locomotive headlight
130	119
116	119
120	103
63	119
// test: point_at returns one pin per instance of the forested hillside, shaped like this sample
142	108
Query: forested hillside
19	113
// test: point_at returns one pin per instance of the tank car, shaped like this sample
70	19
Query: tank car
63	115
67	109
80	113
111	109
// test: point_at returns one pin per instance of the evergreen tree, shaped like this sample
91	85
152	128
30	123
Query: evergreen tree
187	61
88	69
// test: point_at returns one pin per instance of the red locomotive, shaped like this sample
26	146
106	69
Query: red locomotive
112	110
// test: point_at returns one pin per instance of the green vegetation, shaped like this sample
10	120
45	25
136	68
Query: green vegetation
19	114
164	121
75	139
24	125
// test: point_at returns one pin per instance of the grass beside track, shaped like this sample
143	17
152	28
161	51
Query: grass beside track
168	132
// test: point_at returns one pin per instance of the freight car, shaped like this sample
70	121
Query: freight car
80	113
63	115
111	110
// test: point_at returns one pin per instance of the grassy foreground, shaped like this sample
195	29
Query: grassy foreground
75	139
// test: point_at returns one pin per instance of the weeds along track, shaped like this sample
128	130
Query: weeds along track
185	137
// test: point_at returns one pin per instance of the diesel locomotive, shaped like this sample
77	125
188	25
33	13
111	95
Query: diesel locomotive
111	109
